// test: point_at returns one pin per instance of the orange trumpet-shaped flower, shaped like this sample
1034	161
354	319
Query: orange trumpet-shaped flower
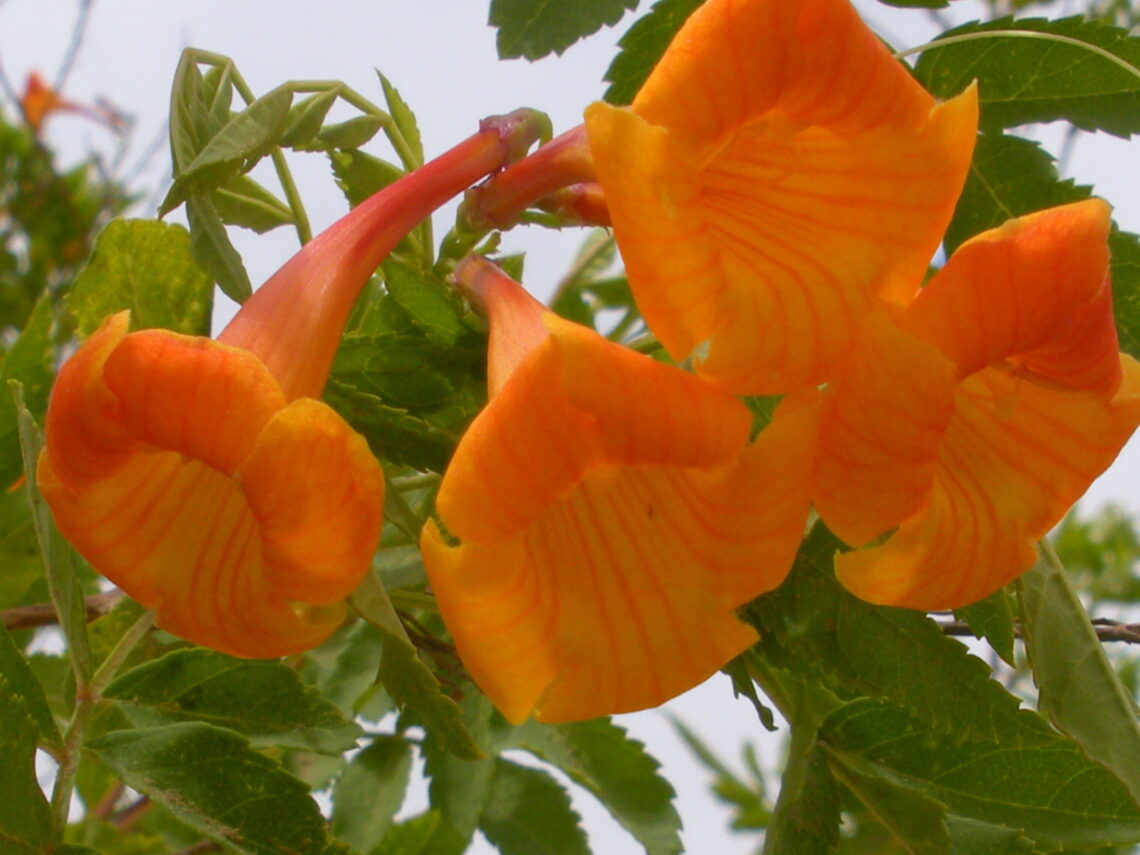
611	514
778	176
974	421
203	477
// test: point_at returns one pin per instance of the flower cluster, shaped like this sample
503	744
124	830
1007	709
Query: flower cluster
777	190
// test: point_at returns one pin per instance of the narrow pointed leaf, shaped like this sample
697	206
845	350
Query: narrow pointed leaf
1089	74
306	118
21	681
210	779
1078	687
992	619
264	700
406	678
188	112
404	119
806	819
30	362
211	248
535	28
243	202
59	558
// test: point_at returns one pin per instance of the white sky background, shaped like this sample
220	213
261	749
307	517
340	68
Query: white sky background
441	56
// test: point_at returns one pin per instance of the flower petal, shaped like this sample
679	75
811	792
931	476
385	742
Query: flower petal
317	494
1015	458
192	395
1034	290
779	172
887	412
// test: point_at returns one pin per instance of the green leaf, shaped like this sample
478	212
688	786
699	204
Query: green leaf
21	681
601	757
992	619
535	28
264	700
359	175
25	817
370	791
218	96
1082	71
528	813
643	46
1125	249
432	304
411	836
144	266
350	134
1078	687
243	202
404	119
915	819
406	678
971	837
1027	777
210	246
806	820
210	779
59	557
748	798
30	362
235	148
306	118
813	627
188	112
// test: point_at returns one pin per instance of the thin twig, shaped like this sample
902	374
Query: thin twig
1106	630
43	614
77	34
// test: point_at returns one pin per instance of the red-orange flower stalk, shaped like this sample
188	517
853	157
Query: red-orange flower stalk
974	419
203	477
611	514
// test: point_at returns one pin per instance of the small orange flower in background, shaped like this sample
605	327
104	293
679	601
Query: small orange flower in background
611	514
778	176
203	477
978	416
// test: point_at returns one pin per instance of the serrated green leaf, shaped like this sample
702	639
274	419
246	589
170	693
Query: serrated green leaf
431	303
601	757
643	46
1077	685
535	28
359	175
1028	777
370	791
306	118
25	817
1083	71
188	112
218	96
971	837
812	626
264	700
992	619
210	779
1125	271
350	134
406	678
31	362
348	683
404	119
916	820
21	680
211	248
528	813
747	798
59	558
144	266
459	788
743	686
244	139
243	202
